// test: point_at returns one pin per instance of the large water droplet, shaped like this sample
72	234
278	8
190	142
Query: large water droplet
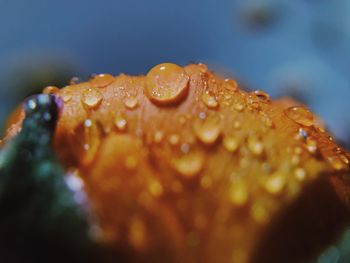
167	84
91	98
300	115
189	165
262	95
101	80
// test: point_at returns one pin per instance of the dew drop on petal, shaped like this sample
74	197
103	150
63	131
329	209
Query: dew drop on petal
167	84
91	98
300	115
101	80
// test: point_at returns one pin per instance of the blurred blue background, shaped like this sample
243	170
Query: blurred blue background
298	48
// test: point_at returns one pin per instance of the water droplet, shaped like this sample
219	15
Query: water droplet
167	84
299	174
311	145
158	136
231	143
239	193
174	139
262	95
101	80
185	148
300	115
231	84
50	90
120	122
255	145
189	165
202	115
155	188
91	98
237	124
338	162
267	121
275	183
91	140
131	102
209	100
295	160
238	106
207	131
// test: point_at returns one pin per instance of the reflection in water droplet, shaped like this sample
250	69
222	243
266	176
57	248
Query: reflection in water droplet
166	84
207	131
300	115
231	143
120	122
101	80
131	102
209	100
189	165
91	98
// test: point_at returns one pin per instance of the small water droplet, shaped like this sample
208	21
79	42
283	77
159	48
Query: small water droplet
299	174
238	106
209	100
158	136
206	182
295	160
101	80
231	84
262	95
185	148
131	102
231	143
302	134
300	115
50	90
131	162
189	165
207	131
167	84
120	122
338	162
91	140
255	145
91	98
155	188
311	145
237	124
174	139
275	183
239	193
202	115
